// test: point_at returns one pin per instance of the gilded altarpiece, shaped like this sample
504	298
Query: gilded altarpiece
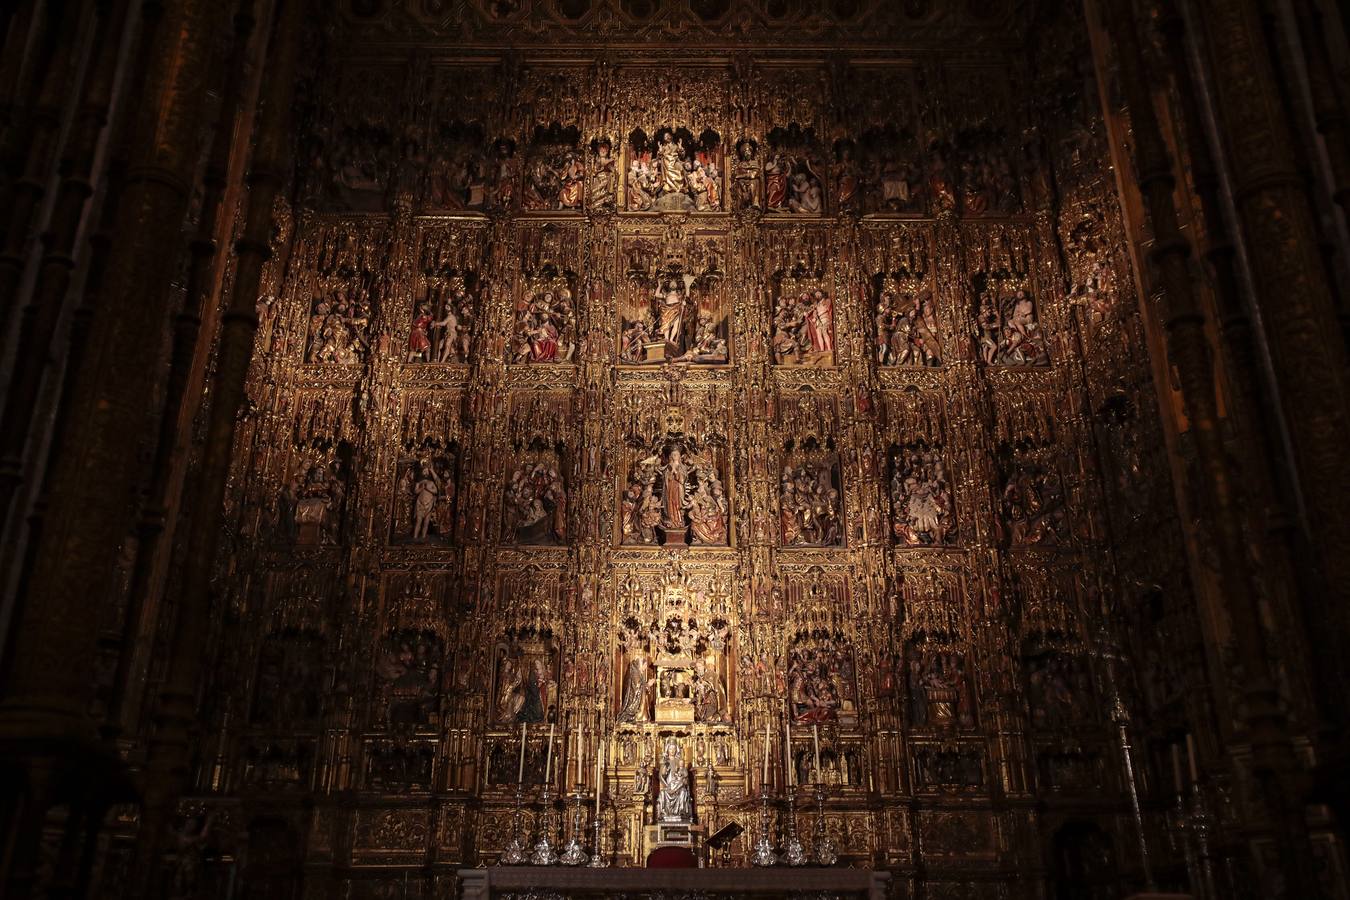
721	400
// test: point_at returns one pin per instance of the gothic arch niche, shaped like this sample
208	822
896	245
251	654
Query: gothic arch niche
535	497
411	656
794	172
1004	299
939	669
672	304
313	499
674	170
1032	503
923	510
525	662
545	318
534	490
810	493
821	667
803	320
447	294
458	171
426	487
555	170
346	285
673	493
675	649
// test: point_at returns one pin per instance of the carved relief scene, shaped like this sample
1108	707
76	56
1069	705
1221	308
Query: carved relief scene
795	172
810	496
803	322
348	286
674	495
446	303
673	308
555	170
673	170
545	320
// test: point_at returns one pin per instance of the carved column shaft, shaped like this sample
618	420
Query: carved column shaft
1269	481
90	505
1296	306
1329	117
198	291
45	309
35	144
176	708
1189	350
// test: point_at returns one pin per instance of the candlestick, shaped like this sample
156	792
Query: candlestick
514	852
823	847
787	753
1190	757
794	853
815	745
574	853
598	860
548	759
520	772
544	854
763	854
765	779
599	773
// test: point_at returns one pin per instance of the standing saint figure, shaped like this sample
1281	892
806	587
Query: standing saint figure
820	322
426	492
672	302
670	167
675	803
673	490
636	686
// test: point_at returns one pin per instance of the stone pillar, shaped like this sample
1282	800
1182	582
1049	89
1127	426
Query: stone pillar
43	314
91	508
1296	310
1273	765
167	759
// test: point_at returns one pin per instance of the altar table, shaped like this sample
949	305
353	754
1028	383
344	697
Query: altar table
548	883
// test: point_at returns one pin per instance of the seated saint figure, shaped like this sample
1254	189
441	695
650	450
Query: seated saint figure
675	803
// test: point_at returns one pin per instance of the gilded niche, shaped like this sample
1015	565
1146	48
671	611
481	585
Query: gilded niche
448	295
803	323
810	497
545	326
672	170
674	495
672	305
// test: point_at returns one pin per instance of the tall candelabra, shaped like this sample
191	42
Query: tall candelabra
794	853
1198	823
823	848
544	854
574	852
598	860
514	852
763	854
